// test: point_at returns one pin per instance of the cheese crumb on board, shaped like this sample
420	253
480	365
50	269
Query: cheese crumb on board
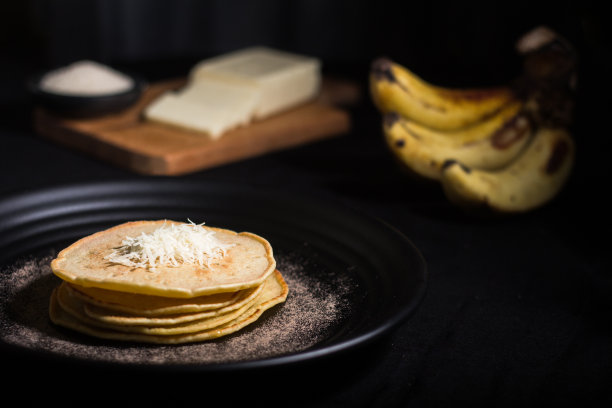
234	89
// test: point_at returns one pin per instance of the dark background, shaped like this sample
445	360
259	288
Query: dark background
517	311
449	43
462	43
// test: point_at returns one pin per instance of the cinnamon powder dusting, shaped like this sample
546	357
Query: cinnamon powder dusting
314	307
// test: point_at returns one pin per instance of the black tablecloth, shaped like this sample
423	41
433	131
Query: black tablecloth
517	310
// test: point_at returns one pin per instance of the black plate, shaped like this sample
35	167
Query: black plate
352	277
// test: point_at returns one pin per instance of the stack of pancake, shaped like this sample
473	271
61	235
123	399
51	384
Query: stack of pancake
169	300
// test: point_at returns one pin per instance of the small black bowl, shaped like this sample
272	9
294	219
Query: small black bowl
84	106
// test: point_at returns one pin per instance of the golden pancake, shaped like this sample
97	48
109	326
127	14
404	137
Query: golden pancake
113	317
274	292
75	307
147	305
247	262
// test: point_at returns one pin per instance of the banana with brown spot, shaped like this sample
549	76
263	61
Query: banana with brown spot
424	151
394	88
529	182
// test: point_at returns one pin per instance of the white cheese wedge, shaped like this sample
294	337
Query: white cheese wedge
284	79
170	109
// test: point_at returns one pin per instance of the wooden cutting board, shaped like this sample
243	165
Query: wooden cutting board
127	140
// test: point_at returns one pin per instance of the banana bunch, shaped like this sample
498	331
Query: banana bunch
506	148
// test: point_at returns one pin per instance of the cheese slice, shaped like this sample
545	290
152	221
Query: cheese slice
284	79
170	109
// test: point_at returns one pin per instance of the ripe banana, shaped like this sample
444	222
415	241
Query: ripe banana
470	134
424	151
530	181
394	88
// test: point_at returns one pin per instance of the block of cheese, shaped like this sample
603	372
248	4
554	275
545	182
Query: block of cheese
209	106
284	79
240	100
234	89
170	109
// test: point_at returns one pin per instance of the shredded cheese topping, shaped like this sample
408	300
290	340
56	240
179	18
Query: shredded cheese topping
170	245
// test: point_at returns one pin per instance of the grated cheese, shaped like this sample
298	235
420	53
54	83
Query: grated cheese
170	245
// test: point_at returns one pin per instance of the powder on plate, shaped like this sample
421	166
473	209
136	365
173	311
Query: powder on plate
314	307
86	78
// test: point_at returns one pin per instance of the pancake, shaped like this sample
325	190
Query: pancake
246	263
147	305
275	291
78	309
113	317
